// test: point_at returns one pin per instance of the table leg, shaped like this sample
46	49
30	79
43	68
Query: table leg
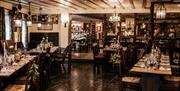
150	83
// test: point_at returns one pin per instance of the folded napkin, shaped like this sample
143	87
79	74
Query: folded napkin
164	63
7	70
15	64
163	68
140	65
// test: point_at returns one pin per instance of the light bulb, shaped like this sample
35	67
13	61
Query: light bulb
18	23
29	23
39	24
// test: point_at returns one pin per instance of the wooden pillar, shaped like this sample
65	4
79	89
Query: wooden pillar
152	20
105	30
65	30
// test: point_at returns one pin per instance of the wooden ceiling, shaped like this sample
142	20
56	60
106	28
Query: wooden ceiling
91	6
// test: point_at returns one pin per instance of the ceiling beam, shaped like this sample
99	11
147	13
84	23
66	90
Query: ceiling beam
144	4
95	4
132	4
52	4
25	3
107	3
62	4
85	4
90	16
57	7
120	4
75	4
16	3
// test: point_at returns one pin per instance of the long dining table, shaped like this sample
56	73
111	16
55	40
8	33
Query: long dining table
16	66
151	77
36	51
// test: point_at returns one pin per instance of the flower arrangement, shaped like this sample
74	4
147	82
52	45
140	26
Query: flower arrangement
33	73
152	61
116	58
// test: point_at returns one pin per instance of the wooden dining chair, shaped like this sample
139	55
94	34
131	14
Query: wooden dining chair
130	84
141	53
60	58
98	59
170	83
23	83
69	55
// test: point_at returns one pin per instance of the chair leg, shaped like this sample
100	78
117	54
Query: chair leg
69	66
94	68
98	68
64	68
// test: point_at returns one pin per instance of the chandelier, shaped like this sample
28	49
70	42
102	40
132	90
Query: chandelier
114	17
161	11
39	20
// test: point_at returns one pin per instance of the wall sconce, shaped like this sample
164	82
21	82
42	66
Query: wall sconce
65	24
65	19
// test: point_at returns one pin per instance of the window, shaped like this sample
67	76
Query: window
8	30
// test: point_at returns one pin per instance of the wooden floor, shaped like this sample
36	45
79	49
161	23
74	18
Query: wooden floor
82	56
83	78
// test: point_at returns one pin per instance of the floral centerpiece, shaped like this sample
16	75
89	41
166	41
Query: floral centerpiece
115	46
44	43
33	72
153	60
116	58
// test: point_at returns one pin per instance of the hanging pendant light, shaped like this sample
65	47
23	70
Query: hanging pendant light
161	11
39	20
29	21
18	20
114	17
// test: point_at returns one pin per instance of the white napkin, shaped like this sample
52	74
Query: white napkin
4	69
164	63
162	68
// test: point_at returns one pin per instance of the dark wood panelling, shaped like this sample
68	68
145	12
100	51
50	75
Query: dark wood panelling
36	37
2	24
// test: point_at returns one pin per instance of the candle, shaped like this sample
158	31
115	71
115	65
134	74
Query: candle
4	53
15	36
4	45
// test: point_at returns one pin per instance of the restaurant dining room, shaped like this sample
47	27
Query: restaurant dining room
89	45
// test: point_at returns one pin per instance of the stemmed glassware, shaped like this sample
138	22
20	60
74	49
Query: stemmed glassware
153	59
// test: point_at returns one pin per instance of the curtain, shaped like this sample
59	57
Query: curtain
8	28
24	33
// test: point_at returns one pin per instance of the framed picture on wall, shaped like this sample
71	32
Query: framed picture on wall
48	26
34	19
54	19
